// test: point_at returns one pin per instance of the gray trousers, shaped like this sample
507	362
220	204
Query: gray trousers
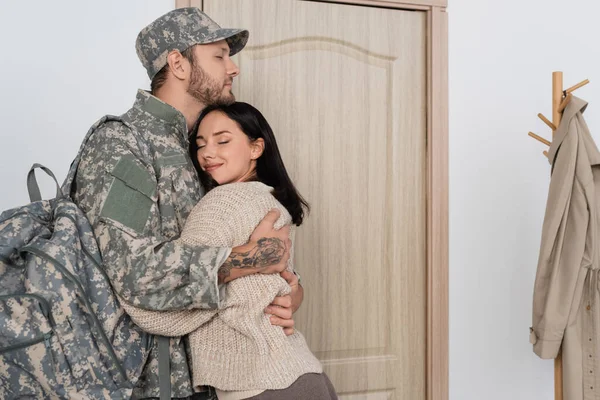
307	387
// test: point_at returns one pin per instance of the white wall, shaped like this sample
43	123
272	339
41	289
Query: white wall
62	68
502	55
63	65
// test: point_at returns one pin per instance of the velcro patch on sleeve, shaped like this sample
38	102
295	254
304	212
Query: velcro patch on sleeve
129	199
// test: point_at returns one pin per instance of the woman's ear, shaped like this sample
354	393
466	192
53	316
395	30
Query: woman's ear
258	147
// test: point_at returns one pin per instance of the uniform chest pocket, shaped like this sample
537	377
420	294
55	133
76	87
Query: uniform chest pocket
178	192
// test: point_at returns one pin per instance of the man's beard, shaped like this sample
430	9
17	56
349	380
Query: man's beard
206	90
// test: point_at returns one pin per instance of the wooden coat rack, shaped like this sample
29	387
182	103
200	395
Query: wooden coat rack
560	99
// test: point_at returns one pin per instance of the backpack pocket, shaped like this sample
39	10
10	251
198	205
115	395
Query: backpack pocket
26	339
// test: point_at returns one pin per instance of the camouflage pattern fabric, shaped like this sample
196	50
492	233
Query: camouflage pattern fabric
63	334
137	185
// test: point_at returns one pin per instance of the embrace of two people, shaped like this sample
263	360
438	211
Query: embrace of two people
194	214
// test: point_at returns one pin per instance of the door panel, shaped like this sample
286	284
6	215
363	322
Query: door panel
344	89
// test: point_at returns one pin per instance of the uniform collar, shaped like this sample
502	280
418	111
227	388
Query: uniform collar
150	104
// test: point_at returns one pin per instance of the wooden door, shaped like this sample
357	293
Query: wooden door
344	88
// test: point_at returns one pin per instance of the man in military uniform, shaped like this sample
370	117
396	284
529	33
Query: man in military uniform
137	185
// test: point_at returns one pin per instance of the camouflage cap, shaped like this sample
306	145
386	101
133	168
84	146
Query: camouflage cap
178	30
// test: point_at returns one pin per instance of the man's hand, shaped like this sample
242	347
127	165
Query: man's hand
282	307
267	252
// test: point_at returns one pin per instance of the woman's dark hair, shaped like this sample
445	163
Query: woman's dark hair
269	166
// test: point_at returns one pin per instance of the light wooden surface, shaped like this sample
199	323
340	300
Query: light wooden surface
437	207
188	3
540	139
564	103
334	81
404	4
407	4
547	121
557	94
575	87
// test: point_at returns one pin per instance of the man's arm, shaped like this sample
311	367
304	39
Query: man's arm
118	191
267	252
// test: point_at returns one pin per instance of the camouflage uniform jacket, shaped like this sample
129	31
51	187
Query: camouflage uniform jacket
137	185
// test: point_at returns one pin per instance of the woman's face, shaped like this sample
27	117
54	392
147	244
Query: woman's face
224	150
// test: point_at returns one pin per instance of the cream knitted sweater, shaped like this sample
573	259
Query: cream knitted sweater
236	347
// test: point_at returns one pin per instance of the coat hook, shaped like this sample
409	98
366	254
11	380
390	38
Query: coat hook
564	103
547	121
539	138
580	84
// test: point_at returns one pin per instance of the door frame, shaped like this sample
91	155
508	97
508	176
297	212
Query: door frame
437	181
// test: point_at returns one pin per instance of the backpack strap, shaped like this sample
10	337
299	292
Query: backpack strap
164	367
32	186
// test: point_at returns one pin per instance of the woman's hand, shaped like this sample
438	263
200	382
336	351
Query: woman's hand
282	307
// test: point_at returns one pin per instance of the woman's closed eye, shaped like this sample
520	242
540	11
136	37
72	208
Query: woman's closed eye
224	142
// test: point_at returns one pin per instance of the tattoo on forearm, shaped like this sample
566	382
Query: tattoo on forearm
268	251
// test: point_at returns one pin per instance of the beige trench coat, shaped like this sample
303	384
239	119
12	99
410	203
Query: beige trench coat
566	302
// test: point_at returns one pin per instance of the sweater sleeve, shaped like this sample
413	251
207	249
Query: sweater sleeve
227	215
167	323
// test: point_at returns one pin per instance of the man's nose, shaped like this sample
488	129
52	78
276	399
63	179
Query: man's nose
232	69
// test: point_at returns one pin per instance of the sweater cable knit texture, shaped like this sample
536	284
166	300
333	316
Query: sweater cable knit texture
236	347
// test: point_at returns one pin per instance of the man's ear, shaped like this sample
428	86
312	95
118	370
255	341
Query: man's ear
178	65
258	147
